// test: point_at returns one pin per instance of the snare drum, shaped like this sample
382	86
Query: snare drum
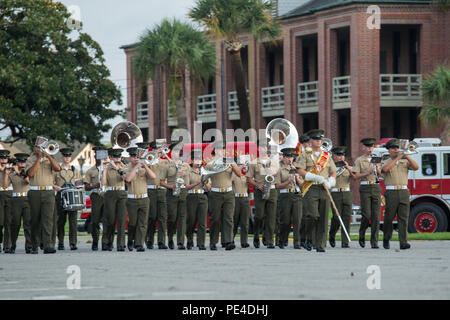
72	199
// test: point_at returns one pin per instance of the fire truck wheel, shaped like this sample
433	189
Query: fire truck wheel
427	218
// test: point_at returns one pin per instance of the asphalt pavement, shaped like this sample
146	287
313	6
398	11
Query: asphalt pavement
421	272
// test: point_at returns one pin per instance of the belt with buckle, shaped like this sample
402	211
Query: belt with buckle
241	195
197	191
19	194
290	190
368	182
222	189
41	188
152	186
115	189
340	189
397	187
137	196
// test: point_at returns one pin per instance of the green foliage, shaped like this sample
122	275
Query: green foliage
436	89
230	18
53	82
176	47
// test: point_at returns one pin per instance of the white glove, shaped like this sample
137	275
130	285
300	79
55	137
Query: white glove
314	177
332	181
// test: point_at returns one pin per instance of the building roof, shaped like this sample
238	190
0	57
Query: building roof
129	46
317	5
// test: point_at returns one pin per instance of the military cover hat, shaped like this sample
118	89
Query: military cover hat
133	151
66	152
368	142
393	143
304	138
316	134
97	148
4	153
339	150
21	157
289	152
116	153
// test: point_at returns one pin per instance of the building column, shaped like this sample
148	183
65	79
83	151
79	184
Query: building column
131	89
290	100
297	67
152	111
365	82
254	82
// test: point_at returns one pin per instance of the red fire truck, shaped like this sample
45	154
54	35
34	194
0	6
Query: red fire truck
429	186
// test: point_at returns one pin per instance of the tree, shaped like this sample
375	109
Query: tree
53	80
229	19
436	89
177	47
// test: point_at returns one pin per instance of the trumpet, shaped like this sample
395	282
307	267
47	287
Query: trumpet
408	147
148	157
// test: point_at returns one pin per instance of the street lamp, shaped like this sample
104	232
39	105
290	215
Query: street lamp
81	163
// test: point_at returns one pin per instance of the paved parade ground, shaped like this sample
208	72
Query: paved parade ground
419	273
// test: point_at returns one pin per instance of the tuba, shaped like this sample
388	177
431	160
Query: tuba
125	134
282	134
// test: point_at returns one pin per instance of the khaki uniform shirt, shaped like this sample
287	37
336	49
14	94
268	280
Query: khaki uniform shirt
239	183
363	165
66	175
169	172
44	175
2	178
156	168
19	184
284	174
258	171
113	178
309	160
398	175
193	177
139	183
343	181
92	176
222	179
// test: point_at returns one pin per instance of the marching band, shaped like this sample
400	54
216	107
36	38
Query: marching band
297	181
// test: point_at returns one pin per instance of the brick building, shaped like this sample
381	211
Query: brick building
327	70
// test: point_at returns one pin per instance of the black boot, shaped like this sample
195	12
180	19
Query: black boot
386	244
171	245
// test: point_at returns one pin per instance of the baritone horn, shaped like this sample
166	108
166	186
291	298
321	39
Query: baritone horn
327	144
125	134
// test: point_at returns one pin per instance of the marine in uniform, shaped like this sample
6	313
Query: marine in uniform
176	203
158	204
395	170
370	193
319	171
305	141
289	183
241	203
138	201
342	197
92	183
115	208
5	197
66	178
197	203
20	207
265	208
221	198
41	168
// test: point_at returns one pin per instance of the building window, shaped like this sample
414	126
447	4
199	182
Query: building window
429	164
446	164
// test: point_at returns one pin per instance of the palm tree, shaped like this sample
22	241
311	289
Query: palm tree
177	47
436	88
228	19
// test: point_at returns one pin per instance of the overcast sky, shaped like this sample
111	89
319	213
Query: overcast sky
113	23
